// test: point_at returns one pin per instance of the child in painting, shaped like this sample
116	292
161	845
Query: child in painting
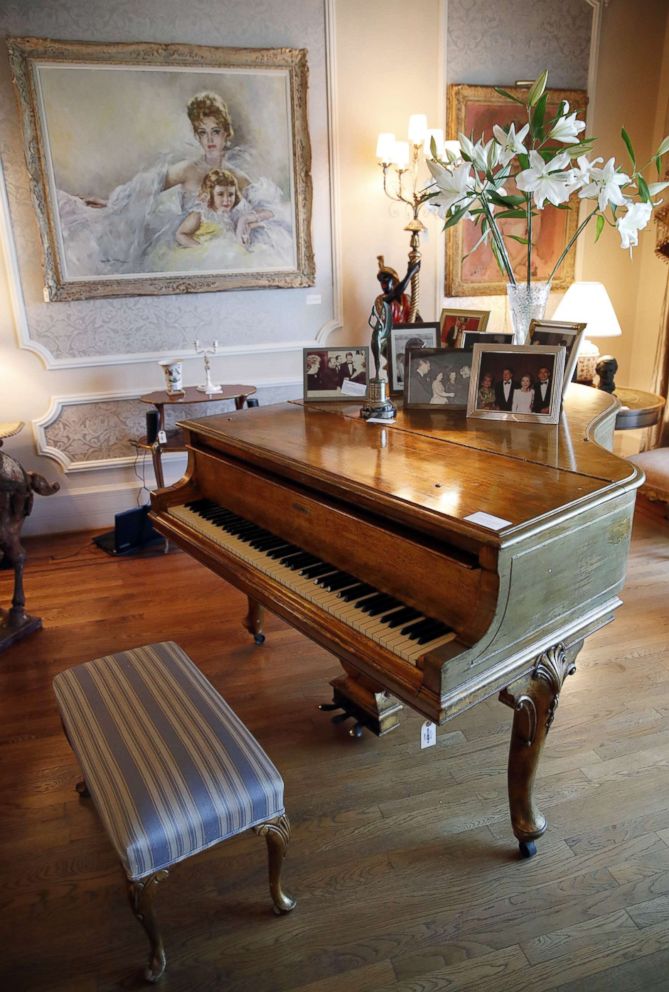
222	210
523	398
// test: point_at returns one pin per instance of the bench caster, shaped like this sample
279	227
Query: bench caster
527	848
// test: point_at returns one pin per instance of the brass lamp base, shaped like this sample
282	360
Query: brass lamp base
378	405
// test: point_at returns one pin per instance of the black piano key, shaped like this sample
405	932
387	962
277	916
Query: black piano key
312	571
283	551
418	627
402	616
267	542
440	631
380	599
383	607
356	592
289	556
338	580
299	561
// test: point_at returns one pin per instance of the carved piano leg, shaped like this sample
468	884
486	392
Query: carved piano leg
254	621
534	711
365	701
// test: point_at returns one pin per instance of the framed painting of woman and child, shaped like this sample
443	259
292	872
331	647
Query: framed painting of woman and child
166	168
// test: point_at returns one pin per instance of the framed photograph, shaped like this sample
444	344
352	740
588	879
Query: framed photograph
557	332
453	323
473	110
436	378
335	373
469	338
517	382
404	338
166	168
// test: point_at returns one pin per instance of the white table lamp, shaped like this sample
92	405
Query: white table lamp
590	303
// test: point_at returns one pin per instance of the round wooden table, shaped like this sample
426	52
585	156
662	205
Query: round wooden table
639	409
174	438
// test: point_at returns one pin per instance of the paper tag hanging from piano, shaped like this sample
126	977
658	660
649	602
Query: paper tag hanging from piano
428	734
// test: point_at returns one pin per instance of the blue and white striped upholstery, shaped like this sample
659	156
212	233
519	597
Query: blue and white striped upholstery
171	769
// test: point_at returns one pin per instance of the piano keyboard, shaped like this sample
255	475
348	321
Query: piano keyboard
384	619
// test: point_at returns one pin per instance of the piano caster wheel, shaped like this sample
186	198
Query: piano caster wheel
527	848
259	639
356	731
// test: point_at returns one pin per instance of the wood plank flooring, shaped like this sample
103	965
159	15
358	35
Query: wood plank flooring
402	861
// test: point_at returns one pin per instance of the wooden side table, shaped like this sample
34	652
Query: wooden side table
191	394
639	409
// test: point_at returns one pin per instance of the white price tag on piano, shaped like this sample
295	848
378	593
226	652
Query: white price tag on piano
488	520
428	734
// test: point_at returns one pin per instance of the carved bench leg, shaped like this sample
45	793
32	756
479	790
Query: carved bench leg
534	711
141	894
254	621
82	789
277	834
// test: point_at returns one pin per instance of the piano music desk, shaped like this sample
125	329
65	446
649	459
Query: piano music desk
359	535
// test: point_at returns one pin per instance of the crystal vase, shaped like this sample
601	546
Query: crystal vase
526	303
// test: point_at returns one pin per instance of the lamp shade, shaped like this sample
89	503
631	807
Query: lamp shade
589	302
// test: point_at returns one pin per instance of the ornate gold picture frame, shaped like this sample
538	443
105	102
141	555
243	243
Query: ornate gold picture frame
166	168
473	110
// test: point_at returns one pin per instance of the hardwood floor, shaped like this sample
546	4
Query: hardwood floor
402	861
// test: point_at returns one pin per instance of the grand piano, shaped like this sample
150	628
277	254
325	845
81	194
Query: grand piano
369	538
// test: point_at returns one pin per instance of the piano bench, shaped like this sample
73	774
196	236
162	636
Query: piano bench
170	768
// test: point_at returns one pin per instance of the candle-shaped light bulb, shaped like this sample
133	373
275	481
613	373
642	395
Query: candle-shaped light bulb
401	154
417	128
385	145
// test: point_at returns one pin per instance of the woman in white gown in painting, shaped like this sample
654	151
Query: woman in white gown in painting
134	231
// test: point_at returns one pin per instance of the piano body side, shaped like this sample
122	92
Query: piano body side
564	553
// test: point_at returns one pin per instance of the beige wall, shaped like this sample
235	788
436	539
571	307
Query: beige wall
389	64
631	91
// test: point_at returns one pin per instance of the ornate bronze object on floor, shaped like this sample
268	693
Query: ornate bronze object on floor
16	500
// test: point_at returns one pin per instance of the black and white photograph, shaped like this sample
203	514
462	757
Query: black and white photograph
404	338
335	373
436	377
469	338
517	383
558	332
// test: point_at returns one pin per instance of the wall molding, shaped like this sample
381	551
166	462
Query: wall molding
60	403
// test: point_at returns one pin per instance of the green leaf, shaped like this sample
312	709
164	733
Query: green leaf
524	161
507	214
537	119
537	89
516	237
658	165
456	217
505	201
626	138
644	192
599	227
664	146
509	96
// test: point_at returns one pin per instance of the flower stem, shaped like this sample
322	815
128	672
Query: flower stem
529	238
564	254
498	239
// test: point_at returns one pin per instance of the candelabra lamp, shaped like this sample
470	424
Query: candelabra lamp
404	182
209	387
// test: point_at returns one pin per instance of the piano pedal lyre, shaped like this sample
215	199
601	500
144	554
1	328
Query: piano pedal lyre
372	708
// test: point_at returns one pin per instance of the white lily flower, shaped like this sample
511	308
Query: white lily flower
456	185
466	145
604	185
567	128
510	143
636	218
546	180
582	175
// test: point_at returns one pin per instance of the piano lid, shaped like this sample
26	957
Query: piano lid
413	470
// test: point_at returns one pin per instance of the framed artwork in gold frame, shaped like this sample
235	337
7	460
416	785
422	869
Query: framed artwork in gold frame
473	110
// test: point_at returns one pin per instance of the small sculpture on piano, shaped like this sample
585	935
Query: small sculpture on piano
381	319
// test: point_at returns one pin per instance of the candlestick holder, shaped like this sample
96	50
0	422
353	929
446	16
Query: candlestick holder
209	386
